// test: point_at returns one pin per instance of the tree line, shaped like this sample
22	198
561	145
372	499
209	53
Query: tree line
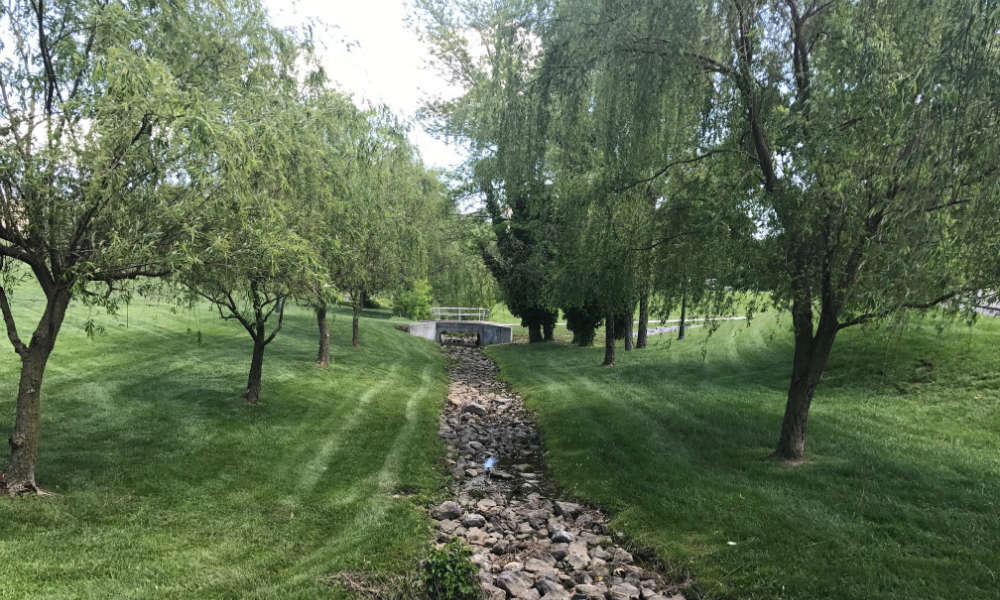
194	145
834	159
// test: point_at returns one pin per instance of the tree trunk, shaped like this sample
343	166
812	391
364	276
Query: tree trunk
640	341
549	329
355	335
256	370
535	332
811	354
628	327
683	323
19	475
323	356
609	340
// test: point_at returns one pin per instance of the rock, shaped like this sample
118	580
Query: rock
473	520
447	510
476	536
559	594
577	556
547	586
559	551
624	591
518	585
486	504
589	592
539	568
567	509
474	408
491	592
562	537
621	556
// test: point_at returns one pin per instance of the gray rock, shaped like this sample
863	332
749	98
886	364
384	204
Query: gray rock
567	509
577	556
518	585
547	585
447	510
474	408
473	520
624	591
589	592
559	551
562	537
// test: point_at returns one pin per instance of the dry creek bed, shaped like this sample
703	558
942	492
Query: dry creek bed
527	543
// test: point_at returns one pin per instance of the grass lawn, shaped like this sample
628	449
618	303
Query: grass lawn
901	497
170	487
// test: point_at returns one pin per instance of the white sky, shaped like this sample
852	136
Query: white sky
384	61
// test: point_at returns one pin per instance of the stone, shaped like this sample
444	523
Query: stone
577	557
539	568
562	537
559	551
474	408
447	510
491	592
567	509
589	592
547	585
473	520
621	556
624	591
518	585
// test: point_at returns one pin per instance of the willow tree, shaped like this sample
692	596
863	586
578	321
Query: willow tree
336	128
105	111
491	52
380	246
870	130
270	163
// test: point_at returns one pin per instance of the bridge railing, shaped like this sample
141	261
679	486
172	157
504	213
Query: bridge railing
460	313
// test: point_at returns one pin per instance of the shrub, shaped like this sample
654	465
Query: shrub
583	321
449	574
414	303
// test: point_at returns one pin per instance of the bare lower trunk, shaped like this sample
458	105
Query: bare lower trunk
640	341
811	354
548	330
323	356
19	475
535	333
628	328
355	334
252	394
609	340
683	323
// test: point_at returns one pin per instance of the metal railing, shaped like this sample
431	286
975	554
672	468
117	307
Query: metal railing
460	313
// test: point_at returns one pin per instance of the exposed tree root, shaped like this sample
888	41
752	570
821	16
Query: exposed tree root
23	489
785	462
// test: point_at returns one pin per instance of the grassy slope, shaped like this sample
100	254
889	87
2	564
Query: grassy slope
170	487
900	500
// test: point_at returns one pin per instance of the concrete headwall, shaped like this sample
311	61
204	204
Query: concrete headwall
487	333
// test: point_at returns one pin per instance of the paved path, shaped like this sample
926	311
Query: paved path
528	543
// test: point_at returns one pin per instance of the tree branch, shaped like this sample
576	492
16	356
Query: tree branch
8	319
867	317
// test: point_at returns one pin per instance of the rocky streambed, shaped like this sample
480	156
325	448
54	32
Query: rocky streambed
527	543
